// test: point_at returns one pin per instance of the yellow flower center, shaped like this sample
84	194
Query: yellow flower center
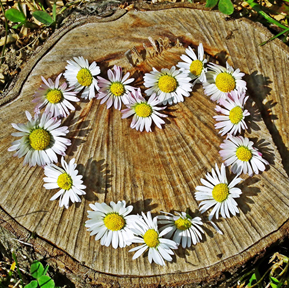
114	221
64	181
225	82
117	89
39	139
151	238
183	224
167	83
84	77
220	192
236	115
54	96
143	110
244	153
196	67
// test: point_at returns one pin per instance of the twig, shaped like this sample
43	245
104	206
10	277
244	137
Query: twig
16	284
22	242
34	40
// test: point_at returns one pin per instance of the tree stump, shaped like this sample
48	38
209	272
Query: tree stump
155	171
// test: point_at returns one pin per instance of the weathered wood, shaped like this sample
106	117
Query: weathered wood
153	171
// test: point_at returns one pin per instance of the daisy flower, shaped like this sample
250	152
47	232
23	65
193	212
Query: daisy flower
111	223
240	153
144	112
221	81
115	90
41	139
170	85
65	178
218	193
184	228
146	232
56	98
234	114
193	65
80	75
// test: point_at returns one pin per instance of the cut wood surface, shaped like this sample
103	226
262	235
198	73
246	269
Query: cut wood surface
155	171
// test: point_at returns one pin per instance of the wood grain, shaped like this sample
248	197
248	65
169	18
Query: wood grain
155	171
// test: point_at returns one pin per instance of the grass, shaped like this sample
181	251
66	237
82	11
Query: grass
13	276
270	271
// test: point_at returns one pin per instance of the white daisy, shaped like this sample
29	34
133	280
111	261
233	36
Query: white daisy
221	81
41	139
146	232
234	114
65	178
218	193
111	223
144	112
169	84
185	228
193	65
56	98
115	90
240	153
80	75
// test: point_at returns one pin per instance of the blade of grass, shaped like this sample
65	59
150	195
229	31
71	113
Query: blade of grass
258	8
54	11
41	6
17	265
45	269
276	36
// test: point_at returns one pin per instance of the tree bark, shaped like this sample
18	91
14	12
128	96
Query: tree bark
155	171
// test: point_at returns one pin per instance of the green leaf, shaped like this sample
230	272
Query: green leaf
275	283
54	11
189	216
45	270
15	15
46	282
32	284
226	7
31	25
252	279
36	269
211	3
17	26
43	17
